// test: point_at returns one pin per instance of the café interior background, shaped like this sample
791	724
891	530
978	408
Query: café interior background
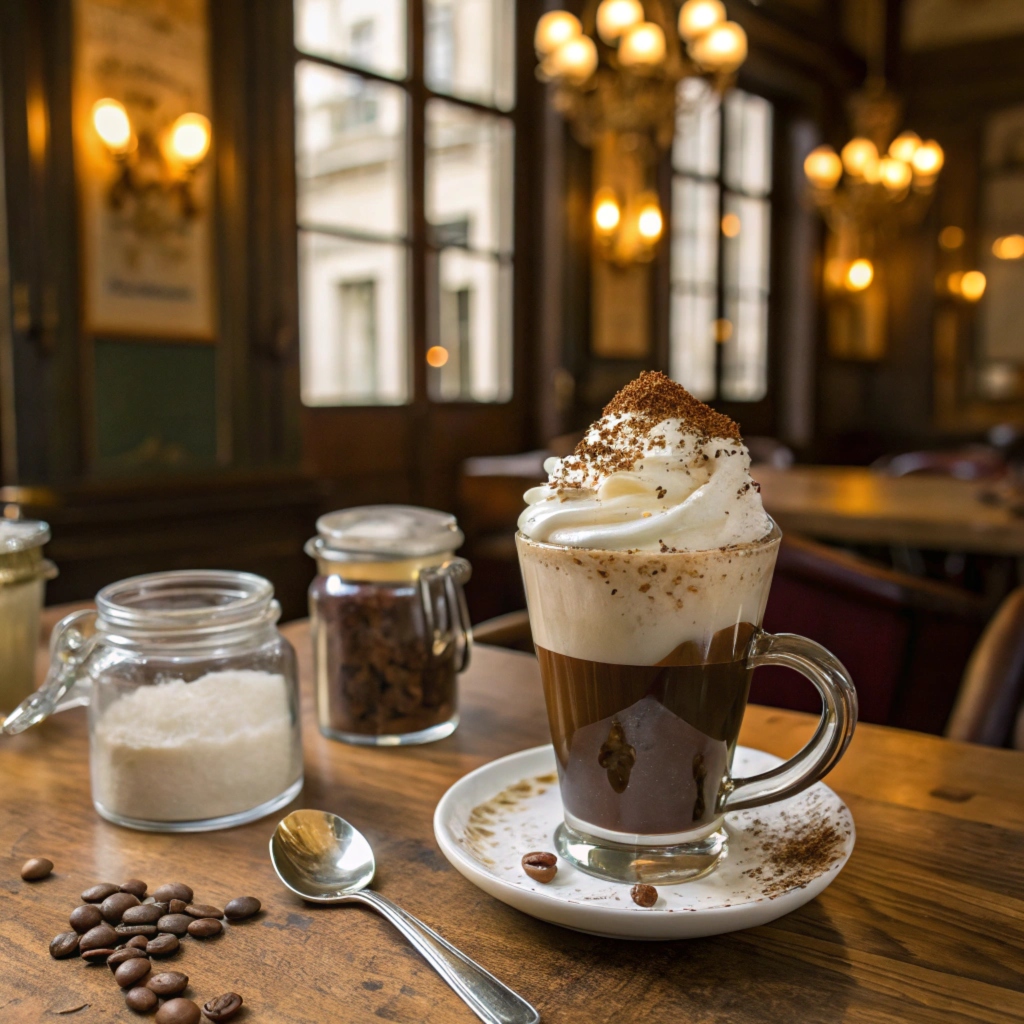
264	260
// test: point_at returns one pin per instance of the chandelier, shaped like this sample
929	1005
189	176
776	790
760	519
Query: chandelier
614	75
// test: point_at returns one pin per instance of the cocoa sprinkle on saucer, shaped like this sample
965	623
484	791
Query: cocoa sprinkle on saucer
797	856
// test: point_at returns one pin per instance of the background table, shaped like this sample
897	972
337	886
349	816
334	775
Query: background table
926	922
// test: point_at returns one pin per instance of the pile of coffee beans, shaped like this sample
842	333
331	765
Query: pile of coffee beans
121	926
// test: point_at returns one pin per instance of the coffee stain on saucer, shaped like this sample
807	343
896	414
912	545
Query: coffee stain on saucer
478	835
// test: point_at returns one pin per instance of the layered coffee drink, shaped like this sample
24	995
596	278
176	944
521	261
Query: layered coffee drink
647	560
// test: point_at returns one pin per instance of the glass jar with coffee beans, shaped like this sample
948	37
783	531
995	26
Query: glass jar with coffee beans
389	622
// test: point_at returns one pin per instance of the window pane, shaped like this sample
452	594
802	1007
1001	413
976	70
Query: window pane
748	143
746	268
470	47
350	151
366	33
472	321
353	329
469	178
695	148
694	273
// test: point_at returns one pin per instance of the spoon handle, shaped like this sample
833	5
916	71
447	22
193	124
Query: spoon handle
492	1001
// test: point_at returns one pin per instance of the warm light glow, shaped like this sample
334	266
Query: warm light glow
190	138
951	237
110	120
723	49
823	167
895	174
904	146
730	225
575	60
437	356
859	155
1009	247
835	273
615	16
872	172
859	275
697	16
972	285
642	46
650	223
722	330
606	211
928	159
554	29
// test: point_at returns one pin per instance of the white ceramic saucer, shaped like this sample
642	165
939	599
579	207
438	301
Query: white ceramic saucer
492	816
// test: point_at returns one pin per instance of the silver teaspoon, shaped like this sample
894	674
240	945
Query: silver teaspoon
322	858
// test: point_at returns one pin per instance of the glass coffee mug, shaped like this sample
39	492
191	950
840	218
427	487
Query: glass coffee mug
646	662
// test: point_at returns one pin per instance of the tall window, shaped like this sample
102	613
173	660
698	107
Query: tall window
721	221
376	140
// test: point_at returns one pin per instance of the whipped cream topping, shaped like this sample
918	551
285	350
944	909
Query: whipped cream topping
660	471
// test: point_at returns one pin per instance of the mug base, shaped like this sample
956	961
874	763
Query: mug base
653	865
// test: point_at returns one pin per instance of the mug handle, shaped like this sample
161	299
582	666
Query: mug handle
451	576
71	643
830	739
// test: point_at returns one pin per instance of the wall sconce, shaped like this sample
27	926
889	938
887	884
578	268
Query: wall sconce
627	232
148	166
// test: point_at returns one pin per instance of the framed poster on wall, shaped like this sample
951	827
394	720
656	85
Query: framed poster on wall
142	137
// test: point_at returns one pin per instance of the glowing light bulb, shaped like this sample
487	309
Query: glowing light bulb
928	159
823	167
904	146
575	60
731	225
614	17
722	49
951	237
607	213
860	156
110	119
649	223
895	174
698	16
190	138
437	356
642	46
972	285
554	29
1009	247
859	275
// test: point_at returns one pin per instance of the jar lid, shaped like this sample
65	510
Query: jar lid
22	534
388	531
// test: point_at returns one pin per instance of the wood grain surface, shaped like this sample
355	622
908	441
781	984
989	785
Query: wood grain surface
926	923
857	505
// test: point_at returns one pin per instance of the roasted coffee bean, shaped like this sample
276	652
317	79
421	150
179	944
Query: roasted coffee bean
138	942
136	929
98	893
178	1011
241	907
85	917
100	937
168	983
97	956
540	866
136	887
119	956
223	1007
203	910
173	891
131	972
205	928
144	913
141	999
164	908
163	945
35	869
65	944
644	895
176	924
114	906
176	907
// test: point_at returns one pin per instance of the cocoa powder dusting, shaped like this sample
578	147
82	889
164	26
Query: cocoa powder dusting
798	856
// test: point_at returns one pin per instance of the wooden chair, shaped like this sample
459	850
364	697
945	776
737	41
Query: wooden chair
991	695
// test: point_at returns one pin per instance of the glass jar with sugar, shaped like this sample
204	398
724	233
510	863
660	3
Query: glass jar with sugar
193	700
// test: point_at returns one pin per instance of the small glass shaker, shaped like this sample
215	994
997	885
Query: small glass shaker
389	623
23	576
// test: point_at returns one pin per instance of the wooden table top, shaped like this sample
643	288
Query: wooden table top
854	504
926	922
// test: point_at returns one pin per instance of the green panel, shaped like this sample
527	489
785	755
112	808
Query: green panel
155	407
